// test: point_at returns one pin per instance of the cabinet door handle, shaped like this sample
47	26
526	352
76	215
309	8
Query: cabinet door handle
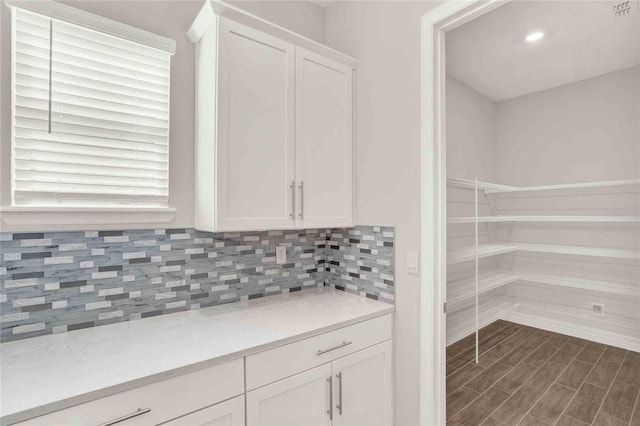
330	410
333	348
302	200
138	412
339	406
293	199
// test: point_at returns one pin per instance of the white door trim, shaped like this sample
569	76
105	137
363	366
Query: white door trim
433	206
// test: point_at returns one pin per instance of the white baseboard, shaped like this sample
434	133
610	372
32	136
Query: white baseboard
575	330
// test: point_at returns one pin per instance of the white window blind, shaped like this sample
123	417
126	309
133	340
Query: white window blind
90	117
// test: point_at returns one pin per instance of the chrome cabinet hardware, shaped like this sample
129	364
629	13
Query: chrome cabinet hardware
293	199
333	348
339	406
330	410
138	412
302	200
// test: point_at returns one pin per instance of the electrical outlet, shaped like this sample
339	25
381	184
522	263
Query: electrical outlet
281	255
597	308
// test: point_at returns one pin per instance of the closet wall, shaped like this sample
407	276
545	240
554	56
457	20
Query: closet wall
471	133
582	132
471	124
542	138
471	140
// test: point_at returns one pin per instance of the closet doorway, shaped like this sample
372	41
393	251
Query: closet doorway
531	160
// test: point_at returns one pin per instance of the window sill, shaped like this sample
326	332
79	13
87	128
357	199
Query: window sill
80	217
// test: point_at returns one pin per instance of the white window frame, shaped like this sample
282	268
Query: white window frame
36	217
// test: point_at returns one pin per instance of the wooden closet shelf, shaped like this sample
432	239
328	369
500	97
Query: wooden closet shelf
461	290
467	253
465	289
462	323
582	283
541	218
464	254
567	186
495	188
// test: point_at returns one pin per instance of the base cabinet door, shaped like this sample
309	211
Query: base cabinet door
228	413
362	387
302	399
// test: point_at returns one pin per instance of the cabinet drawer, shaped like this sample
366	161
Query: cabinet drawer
275	364
157	402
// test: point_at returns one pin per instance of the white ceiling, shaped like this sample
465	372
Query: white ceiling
583	39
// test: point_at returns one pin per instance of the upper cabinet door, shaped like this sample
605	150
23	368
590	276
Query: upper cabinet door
324	142
255	147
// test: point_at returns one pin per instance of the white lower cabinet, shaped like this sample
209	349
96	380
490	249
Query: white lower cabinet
303	399
155	403
336	378
353	390
363	386
228	413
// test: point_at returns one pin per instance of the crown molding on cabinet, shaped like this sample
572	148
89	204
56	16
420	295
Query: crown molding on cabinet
216	8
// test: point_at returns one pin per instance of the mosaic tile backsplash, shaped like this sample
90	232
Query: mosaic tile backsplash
361	261
62	281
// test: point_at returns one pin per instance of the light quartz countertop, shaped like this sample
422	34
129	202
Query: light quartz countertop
43	374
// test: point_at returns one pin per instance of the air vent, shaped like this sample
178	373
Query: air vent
622	8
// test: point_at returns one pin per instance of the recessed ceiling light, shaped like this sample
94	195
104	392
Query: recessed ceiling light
535	36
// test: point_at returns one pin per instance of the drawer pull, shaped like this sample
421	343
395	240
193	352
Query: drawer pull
341	345
301	200
330	410
339	406
138	412
293	199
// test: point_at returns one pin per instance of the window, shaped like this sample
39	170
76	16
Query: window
90	116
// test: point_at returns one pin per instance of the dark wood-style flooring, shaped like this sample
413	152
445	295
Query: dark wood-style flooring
527	376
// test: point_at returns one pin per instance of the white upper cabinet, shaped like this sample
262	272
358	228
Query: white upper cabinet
324	117
274	125
255	129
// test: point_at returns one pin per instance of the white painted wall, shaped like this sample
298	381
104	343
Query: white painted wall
171	19
385	37
471	140
471	132
580	132
572	133
300	16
